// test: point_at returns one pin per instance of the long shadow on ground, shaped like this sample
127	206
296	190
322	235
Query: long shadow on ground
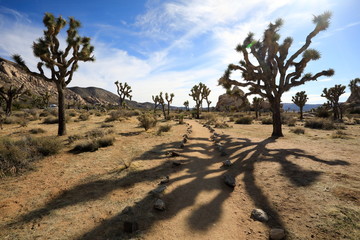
242	151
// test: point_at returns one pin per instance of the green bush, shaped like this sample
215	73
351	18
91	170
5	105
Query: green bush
244	120
318	123
298	130
147	121
266	121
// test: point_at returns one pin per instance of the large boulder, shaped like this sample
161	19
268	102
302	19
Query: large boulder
232	99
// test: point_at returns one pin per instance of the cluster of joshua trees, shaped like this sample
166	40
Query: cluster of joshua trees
271	72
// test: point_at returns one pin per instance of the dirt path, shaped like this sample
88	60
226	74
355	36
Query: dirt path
199	204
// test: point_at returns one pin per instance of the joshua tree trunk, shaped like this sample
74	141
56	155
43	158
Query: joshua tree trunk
256	113
277	130
164	112
301	113
8	107
168	110
61	111
198	111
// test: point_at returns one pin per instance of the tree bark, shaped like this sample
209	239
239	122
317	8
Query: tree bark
8	107
61	111
198	111
256	113
163	108
277	125
301	113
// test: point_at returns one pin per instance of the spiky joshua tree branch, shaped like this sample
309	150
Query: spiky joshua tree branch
123	91
273	71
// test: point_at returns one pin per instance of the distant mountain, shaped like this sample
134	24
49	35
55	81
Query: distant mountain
293	107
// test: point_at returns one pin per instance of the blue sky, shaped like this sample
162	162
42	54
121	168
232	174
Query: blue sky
172	45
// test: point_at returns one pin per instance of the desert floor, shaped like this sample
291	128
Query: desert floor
308	184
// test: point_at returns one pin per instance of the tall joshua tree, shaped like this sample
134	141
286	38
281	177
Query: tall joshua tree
333	95
156	102
169	100
186	105
300	99
257	105
9	94
123	92
61	63
206	92
162	103
197	93
273	72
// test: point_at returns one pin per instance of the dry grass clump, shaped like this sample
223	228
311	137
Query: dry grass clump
164	128
36	130
12	120
221	125
84	116
340	134
71	112
16	156
209	118
113	116
147	121
50	120
106	125
319	123
298	130
244	120
266	121
94	144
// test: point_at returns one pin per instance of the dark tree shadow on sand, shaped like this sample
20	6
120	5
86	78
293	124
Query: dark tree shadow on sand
242	151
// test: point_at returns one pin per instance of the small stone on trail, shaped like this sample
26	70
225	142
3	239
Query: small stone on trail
230	181
166	180
130	227
227	163
174	154
184	140
277	234
159	189
159	204
259	215
176	164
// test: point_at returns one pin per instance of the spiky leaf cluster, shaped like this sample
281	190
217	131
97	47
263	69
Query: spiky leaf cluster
124	91
300	99
333	94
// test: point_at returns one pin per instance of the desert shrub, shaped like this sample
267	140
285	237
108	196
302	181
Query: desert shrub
340	134
181	118
84	116
298	130
147	121
71	112
322	112
44	113
266	121
73	138
231	119
50	120
106	125
210	118
12	120
17	155
106	141
291	122
31	114
357	120
86	146
221	125
164	128
244	120
318	123
37	130
95	133
94	144
113	116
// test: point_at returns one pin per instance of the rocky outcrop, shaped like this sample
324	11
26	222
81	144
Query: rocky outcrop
233	100
354	97
11	73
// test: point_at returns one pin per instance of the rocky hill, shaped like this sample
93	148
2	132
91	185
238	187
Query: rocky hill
12	74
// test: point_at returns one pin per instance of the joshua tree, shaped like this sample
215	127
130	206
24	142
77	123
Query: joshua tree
123	92
162	103
61	63
156	102
257	105
9	94
169	100
300	99
186	104
206	92
272	72
333	95
197	93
